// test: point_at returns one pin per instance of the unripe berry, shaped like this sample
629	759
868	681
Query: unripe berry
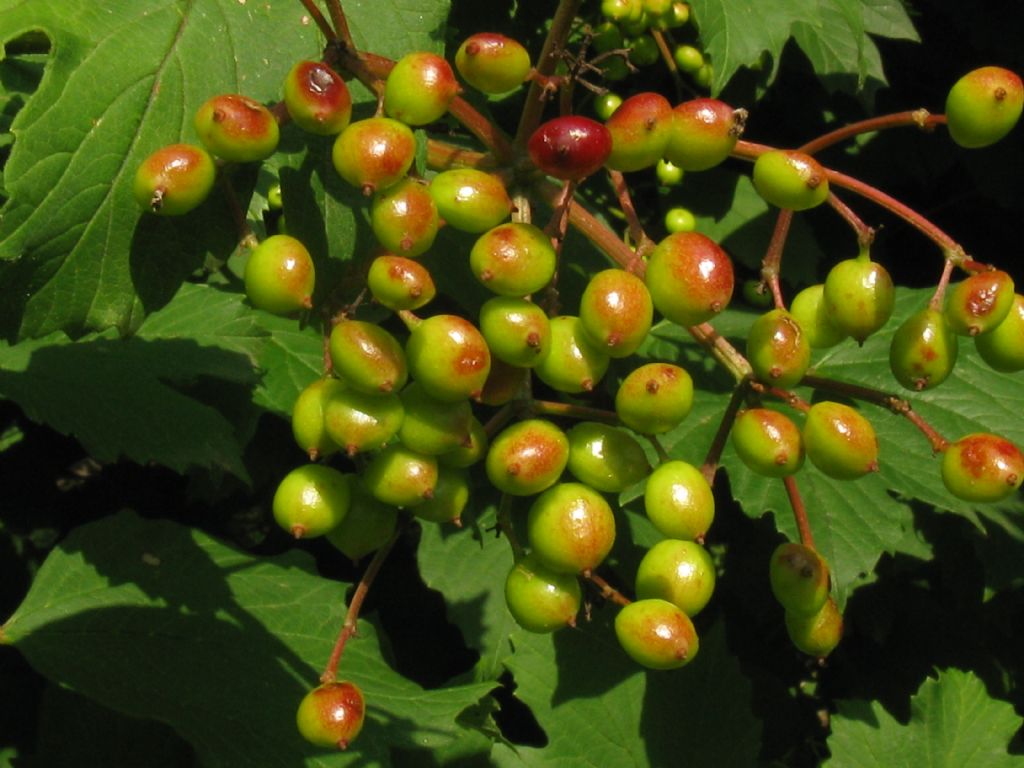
791	180
681	572
540	599
430	426
768	442
570	147
656	634
669	175
679	501
517	331
308	418
704	132
368	525
817	634
449	357
331	715
367	357
654	398
404	218
492	63
811	312
317	98
605	458
374	153
574	364
690	278
527	457
923	350
571	528
840	441
1003	347
799	578
399	283
401	477
679	219
777	349
362	421
859	296
449	498
643	51
982	467
606	104
504	383
419	88
174	179
311	500
977	304
616	311
688	58
237	128
279	276
472	450
640	130
470	200
983	106
513	259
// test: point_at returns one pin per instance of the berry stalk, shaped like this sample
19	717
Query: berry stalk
796	501
318	18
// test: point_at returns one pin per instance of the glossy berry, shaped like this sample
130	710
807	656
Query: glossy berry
362	421
404	218
799	578
654	398
513	259
643	51
574	364
606	104
1003	346
504	383
656	634
621	10
279	276
470	200
317	99
859	296
571	528
449	357
527	457
174	179
368	525
540	599
777	349
840	441
923	350
688	58
791	180
492	63
374	153
977	304
681	572
400	283
401	477
616	311
679	502
237	128
818	634
679	219
517	331
449	498
982	467
431	426
640	130
690	278
570	147
704	132
605	458
367	357
419	88
308	418
768	442
311	500
983	106
669	175
331	715
811	312
605	37
470	451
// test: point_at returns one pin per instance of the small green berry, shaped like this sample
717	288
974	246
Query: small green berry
279	276
311	500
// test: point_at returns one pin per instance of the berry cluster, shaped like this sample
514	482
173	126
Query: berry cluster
415	410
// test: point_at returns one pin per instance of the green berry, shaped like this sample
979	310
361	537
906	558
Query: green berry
688	58
574	364
643	51
818	634
362	421
331	715
317	99
640	131
430	426
923	350
679	219
681	572
449	498
679	501
541	600
470	451
982	467
810	310
419	88
308	418
977	304
517	331
311	500
367	357
605	458
621	10
401	477
470	200
859	296
983	106
656	634
606	36
504	383
279	276
527	457
492	63
791	180
606	104
777	349
669	175
690	278
840	441
704	132
368	525
404	218
513	259
616	312
768	442
571	528
799	578
449	357
654	398
1003	346
174	179
704	75
237	128
399	283
374	153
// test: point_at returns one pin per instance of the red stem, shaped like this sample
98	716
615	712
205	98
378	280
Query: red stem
922	118
608	592
325	28
772	263
803	525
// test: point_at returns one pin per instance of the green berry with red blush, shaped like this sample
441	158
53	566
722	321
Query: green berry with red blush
236	128
174	179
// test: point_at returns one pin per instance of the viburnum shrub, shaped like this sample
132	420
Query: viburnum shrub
476	453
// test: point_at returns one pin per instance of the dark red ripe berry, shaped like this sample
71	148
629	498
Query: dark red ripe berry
570	147
317	98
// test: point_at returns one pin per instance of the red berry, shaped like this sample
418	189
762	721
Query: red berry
571	147
704	132
237	128
331	715
640	130
317	98
690	278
